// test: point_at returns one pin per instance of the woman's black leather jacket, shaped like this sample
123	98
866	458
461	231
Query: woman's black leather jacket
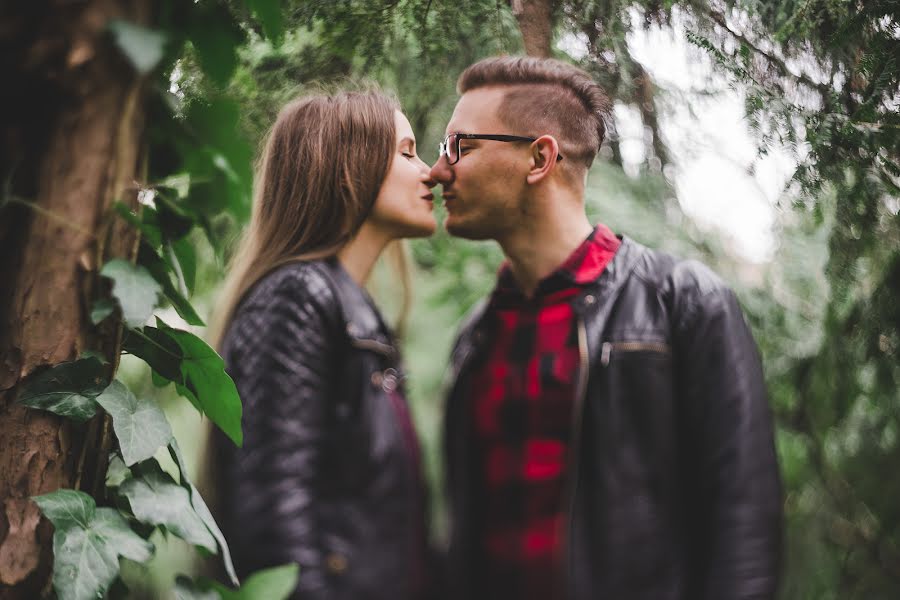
325	477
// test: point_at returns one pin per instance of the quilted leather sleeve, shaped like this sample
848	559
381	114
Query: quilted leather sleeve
281	350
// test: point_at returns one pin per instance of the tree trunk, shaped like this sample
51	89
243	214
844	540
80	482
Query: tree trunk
535	19
71	119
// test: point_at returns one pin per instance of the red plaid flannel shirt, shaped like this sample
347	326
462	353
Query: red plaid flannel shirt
522	398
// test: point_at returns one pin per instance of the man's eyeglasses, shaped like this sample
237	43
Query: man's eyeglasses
450	145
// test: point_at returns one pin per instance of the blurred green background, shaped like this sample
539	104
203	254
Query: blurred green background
817	85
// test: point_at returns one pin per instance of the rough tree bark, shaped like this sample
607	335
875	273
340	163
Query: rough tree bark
71	125
535	19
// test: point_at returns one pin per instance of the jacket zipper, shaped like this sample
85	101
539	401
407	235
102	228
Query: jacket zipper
608	347
568	508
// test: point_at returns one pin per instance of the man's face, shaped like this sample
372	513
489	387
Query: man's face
482	191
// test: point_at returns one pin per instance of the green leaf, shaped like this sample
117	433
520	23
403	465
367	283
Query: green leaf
225	160
140	425
102	309
186	589
158	269
110	524
204	513
67	508
67	389
180	183
157	349
134	288
216	37
204	374
276	583
174	221
143	47
158	380
87	543
147	223
117	472
93	354
268	12
156	499
187	258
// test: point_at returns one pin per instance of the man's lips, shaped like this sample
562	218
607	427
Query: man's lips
429	197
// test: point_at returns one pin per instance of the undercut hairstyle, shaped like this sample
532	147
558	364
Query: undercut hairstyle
545	96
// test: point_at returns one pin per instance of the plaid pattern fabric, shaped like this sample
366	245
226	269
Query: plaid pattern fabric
522	397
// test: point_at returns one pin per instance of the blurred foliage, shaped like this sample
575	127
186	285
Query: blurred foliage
820	77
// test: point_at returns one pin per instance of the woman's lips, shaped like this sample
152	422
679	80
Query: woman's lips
429	197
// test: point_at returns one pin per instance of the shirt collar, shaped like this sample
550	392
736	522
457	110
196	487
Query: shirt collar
584	265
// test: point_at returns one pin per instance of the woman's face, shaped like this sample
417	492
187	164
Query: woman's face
404	205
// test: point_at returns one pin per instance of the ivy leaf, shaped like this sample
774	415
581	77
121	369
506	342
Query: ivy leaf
203	373
134	288
110	524
268	12
174	221
93	354
147	223
216	37
102	309
276	583
180	183
157	349
140	425
142	46
187	589
158	380
68	389
117	472
156	499
203	512
87	543
158	269
67	508
187	258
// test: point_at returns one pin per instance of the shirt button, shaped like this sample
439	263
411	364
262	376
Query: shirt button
336	563
589	299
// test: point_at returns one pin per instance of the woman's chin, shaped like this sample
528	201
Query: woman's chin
423	229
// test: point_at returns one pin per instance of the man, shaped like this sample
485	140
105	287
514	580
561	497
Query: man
607	428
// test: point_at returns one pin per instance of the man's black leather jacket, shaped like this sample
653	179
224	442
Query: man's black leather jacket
325	477
673	490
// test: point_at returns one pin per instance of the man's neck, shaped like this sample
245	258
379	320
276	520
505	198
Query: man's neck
543	244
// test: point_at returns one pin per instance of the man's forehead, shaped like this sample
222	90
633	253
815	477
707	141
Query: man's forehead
475	110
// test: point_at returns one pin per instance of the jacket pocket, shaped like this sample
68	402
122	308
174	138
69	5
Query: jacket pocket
610	349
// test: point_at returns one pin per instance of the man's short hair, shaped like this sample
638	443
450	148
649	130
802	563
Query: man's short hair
546	96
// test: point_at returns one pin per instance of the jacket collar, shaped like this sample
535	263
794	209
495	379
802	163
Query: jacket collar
363	322
594	304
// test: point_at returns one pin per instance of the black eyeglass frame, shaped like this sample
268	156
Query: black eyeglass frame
444	147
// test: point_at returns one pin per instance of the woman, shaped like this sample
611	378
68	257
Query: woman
329	474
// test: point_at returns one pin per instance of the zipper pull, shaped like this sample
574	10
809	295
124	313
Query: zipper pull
604	353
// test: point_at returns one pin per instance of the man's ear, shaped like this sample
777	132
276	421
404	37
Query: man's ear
544	155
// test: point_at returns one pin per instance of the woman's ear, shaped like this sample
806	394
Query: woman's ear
544	156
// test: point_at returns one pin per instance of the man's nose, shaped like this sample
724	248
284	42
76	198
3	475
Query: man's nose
441	171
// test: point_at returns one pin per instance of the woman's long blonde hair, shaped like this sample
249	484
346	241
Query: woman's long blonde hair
321	169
